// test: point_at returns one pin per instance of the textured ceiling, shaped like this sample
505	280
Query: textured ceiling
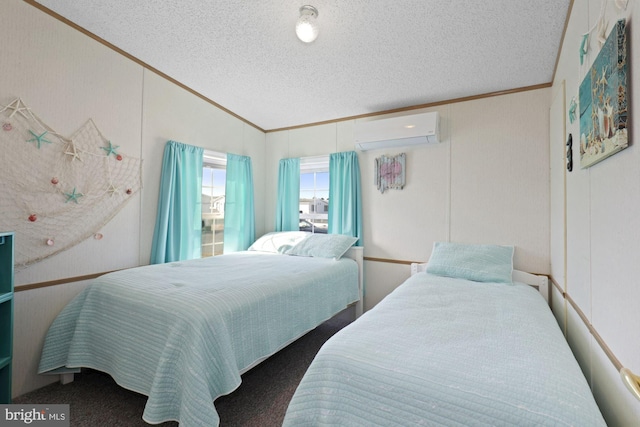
370	55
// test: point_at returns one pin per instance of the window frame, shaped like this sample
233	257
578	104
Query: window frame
212	160
308	165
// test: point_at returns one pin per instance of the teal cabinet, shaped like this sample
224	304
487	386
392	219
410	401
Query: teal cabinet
6	315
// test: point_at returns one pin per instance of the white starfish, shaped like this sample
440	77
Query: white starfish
603	80
113	190
73	152
602	30
15	106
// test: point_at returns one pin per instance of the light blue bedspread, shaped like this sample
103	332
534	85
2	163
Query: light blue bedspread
447	352
181	333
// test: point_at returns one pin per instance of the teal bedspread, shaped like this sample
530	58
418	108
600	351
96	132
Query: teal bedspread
447	352
181	333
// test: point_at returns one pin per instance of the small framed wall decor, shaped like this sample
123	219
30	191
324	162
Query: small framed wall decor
390	172
603	101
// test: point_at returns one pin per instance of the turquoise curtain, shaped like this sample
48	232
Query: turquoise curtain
178	232
288	209
345	195
239	214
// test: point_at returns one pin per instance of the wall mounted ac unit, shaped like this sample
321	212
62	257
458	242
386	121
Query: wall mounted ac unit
395	132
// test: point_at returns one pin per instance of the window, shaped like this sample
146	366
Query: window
214	173
314	194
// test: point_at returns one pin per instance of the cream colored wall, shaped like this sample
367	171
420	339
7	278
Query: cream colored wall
602	228
557	235
172	113
486	182
67	77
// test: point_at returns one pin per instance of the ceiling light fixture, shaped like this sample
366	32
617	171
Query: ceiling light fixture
306	26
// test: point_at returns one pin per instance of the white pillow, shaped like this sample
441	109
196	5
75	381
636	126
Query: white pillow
278	241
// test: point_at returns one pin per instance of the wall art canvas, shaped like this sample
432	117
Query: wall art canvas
390	172
603	101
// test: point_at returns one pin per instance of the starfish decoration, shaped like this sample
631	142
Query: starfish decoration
602	31
111	149
73	196
73	152
584	47
572	110
39	139
603	80
15	106
112	190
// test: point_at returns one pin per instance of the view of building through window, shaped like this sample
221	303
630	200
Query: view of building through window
213	185
314	201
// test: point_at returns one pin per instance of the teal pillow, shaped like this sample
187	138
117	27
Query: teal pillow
323	246
480	263
278	241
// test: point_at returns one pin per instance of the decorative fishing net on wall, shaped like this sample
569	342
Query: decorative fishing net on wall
58	191
390	172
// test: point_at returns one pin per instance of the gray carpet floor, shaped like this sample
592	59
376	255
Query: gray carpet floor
261	400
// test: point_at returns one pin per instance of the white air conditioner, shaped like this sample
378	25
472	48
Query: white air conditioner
395	132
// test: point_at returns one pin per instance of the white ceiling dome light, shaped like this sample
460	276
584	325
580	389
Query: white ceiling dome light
306	26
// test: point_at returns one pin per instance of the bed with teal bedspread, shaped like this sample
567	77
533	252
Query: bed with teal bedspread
447	351
182	333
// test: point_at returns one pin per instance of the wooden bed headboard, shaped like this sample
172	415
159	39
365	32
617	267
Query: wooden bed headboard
541	283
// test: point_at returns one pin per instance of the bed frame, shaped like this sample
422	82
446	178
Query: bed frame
541	283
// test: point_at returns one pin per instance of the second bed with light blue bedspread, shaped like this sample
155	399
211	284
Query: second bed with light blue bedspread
182	333
444	351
